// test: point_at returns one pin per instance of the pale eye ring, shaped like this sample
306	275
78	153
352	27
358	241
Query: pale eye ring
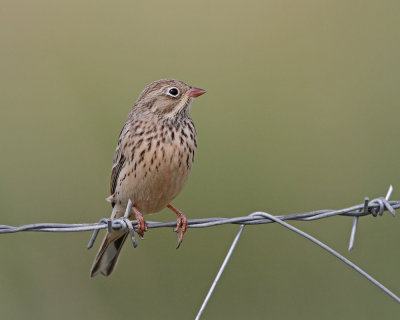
173	92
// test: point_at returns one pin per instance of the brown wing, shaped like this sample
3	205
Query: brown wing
118	162
115	173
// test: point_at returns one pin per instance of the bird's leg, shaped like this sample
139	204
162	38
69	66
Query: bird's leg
141	223
181	223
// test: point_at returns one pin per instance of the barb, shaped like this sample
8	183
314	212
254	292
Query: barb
365	209
355	222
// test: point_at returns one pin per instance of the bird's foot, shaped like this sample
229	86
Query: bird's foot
181	223
141	223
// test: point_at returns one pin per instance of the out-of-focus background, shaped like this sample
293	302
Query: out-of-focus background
301	113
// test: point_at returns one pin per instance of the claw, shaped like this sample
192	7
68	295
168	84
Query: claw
141	223
181	223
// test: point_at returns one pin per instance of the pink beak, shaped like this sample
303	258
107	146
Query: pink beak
195	92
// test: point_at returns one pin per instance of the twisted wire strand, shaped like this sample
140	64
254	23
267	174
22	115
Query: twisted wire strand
375	207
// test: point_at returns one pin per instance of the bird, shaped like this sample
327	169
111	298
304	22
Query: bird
152	162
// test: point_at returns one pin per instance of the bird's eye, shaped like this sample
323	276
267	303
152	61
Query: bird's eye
173	92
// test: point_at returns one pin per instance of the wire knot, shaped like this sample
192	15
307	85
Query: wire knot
379	205
126	224
122	223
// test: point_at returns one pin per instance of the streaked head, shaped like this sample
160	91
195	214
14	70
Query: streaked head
168	97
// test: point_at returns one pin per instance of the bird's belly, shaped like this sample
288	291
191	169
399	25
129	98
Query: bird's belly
159	190
156	180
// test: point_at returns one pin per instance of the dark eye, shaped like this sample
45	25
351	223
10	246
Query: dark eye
173	92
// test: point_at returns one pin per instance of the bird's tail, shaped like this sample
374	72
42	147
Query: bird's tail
107	257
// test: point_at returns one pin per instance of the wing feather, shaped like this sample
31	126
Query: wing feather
118	162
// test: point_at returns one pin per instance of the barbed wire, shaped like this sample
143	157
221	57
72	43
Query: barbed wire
365	209
374	207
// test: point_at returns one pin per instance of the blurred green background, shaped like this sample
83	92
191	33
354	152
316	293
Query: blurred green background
301	113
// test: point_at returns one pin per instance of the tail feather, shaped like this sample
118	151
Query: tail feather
107	257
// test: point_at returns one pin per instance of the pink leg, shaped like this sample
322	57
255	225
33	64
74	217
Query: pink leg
181	222
141	223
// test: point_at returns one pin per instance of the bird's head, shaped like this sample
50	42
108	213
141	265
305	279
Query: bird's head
167	98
